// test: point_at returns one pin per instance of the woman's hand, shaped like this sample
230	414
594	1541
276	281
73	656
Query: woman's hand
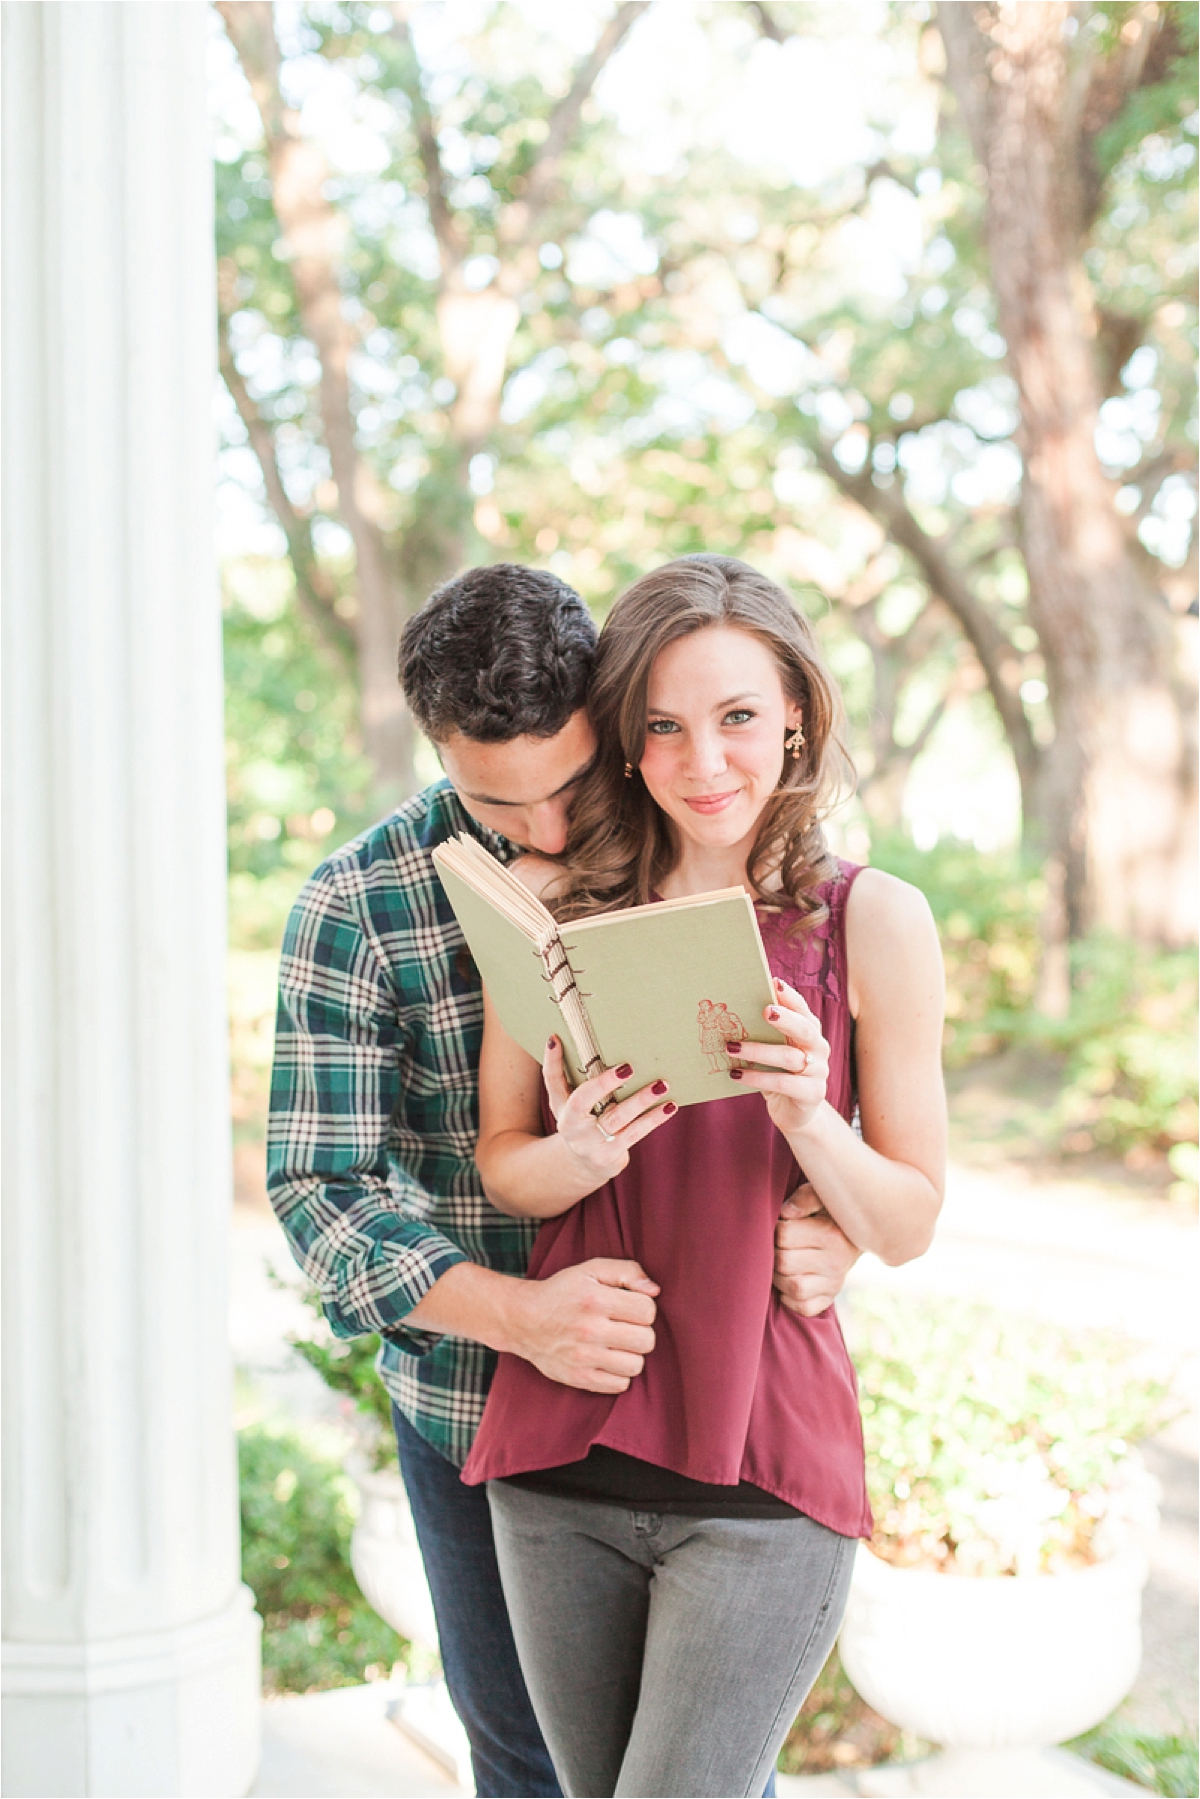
601	1145
791	1076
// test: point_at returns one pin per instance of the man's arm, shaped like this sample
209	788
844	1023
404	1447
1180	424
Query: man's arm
356	1220
587	1326
813	1255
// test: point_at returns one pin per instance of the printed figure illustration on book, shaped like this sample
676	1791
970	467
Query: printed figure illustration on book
719	1026
633	985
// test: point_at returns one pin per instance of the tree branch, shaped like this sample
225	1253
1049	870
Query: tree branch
1125	69
523	216
966	66
315	591
1150	474
446	230
768	26
997	658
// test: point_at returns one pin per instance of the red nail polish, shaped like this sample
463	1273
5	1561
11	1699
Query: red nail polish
733	1049
624	1071
552	1043
735	1074
669	1108
772	1013
659	1087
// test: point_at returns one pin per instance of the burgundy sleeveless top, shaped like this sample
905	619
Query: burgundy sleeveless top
737	1388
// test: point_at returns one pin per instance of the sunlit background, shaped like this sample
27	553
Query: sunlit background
591	288
752	314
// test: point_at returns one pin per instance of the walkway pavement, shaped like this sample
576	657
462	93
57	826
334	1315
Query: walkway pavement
1069	1251
340	1745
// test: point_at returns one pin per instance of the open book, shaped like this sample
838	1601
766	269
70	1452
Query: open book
663	987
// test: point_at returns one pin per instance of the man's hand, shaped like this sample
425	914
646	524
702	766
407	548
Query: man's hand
813	1255
590	1326
587	1326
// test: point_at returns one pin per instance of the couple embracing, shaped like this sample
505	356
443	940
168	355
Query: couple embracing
621	1331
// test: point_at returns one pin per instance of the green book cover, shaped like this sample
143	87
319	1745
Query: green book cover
663	987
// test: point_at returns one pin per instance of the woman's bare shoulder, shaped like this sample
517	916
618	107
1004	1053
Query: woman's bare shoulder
537	873
882	901
892	948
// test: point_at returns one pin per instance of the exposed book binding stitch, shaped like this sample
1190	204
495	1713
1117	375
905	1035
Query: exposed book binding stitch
667	985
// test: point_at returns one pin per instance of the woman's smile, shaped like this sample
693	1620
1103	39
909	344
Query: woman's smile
708	803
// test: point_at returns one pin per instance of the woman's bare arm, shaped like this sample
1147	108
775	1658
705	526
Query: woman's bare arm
885	1190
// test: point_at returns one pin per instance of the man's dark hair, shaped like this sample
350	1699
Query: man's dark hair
497	653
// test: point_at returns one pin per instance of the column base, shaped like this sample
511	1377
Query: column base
171	1714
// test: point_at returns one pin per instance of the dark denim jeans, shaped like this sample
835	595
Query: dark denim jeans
454	1529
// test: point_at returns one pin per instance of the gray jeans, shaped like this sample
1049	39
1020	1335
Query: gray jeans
665	1655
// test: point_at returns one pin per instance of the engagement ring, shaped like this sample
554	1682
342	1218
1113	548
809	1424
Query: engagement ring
609	1136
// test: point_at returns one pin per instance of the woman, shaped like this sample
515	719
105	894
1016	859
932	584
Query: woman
676	1552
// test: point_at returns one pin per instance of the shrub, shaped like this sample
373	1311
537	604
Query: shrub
297	1516
1129	1045
998	1444
994	1444
986	909
1126	1048
347	1366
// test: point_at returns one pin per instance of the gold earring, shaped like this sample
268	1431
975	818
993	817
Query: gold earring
794	741
628	770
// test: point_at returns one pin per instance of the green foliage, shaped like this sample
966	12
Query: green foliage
1127	1046
1163	105
297	1517
296	781
986	909
637	426
1130	1047
1160	1764
347	1366
998	1444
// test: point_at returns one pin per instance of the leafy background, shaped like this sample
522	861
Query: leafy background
757	314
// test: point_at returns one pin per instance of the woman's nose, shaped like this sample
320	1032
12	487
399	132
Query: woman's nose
705	756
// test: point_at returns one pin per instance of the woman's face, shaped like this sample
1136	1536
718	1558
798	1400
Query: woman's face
717	715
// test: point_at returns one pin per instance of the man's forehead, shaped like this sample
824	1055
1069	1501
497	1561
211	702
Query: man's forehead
526	771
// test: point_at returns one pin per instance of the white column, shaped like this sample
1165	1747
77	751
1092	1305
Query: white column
131	1650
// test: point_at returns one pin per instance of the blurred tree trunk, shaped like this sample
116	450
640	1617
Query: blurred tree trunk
313	234
395	573
1117	801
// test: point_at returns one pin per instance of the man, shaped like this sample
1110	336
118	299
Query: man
374	1116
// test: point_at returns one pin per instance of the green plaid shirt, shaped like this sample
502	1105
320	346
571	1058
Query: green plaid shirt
374	1108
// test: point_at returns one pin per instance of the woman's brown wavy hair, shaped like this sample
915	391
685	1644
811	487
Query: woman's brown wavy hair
621	847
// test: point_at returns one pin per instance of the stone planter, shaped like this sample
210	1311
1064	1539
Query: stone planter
995	1669
386	1559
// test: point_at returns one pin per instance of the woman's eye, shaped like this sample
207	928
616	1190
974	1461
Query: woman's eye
739	717
661	727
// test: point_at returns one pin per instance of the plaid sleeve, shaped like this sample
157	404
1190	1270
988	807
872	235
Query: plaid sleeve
352	1215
